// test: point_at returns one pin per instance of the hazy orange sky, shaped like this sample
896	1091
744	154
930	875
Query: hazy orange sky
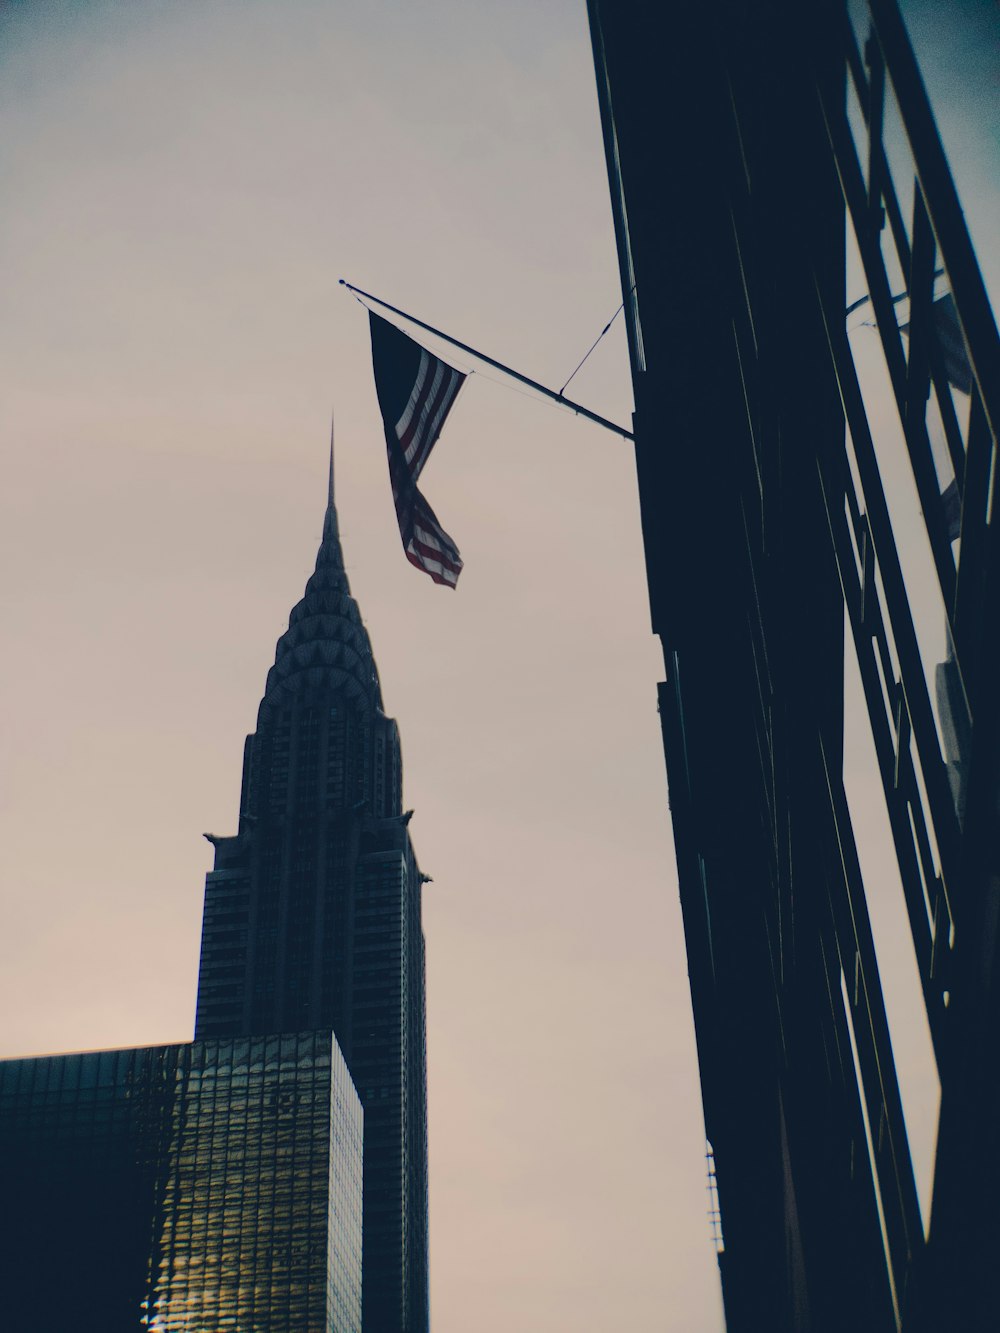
185	183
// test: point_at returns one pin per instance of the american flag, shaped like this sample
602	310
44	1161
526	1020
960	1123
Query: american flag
415	392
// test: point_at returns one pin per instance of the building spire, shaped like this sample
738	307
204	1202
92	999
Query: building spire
330	492
330	553
330	522
326	640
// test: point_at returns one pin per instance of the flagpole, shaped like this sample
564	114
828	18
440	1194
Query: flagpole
497	365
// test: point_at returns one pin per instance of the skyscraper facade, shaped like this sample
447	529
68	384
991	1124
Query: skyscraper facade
313	914
180	1189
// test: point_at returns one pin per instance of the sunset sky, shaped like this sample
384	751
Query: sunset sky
185	182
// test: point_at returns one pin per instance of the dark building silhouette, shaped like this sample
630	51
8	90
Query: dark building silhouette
744	145
313	914
182	1189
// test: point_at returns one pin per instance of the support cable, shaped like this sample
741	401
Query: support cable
592	346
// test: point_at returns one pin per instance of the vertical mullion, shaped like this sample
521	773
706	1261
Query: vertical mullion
914	430
877	165
874	1046
973	304
900	618
864	632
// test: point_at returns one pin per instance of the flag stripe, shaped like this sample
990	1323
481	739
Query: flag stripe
413	431
435	540
438	578
432	561
431	432
434	554
442	566
438	572
436	546
407	374
418	386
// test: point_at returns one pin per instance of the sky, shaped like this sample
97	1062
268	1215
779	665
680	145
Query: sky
186	183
